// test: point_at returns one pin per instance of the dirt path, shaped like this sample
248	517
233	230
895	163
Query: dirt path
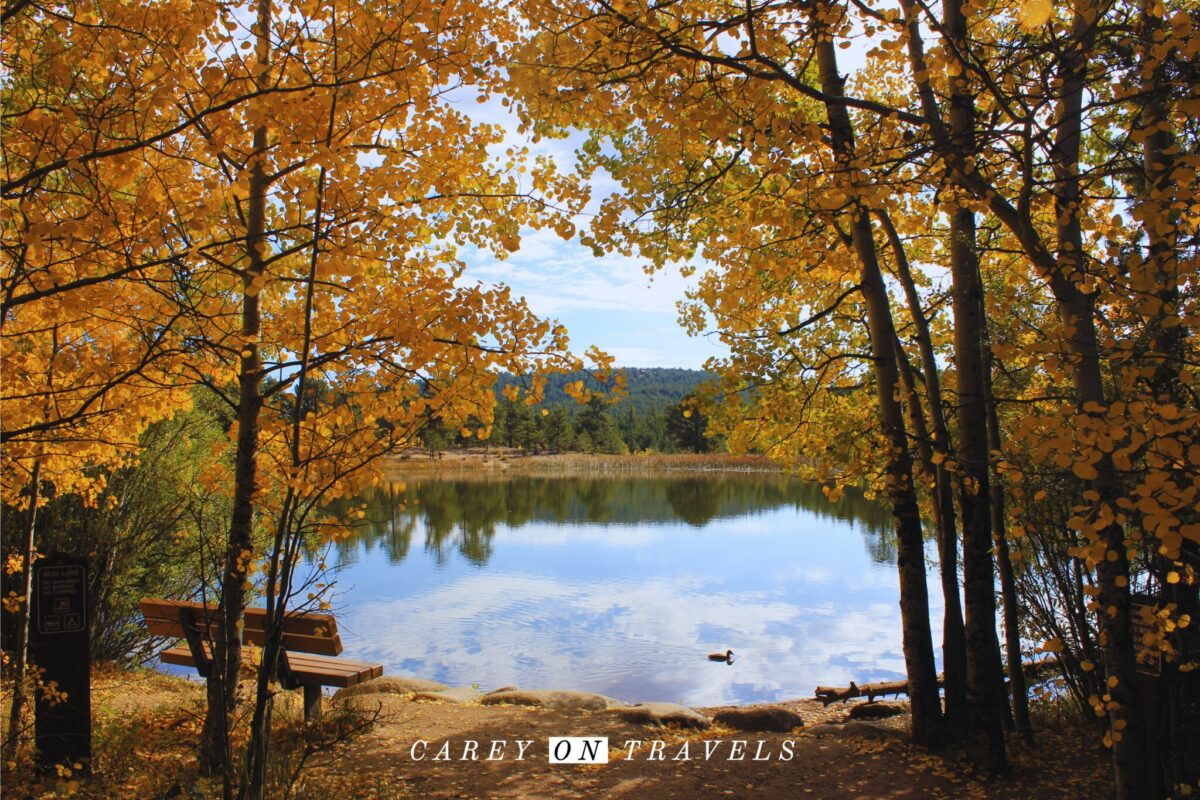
400	758
146	727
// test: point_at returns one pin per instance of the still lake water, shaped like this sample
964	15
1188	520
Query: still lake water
623	586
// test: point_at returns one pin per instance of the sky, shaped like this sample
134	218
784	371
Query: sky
608	301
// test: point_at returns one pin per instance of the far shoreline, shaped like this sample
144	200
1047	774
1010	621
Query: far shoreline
492	462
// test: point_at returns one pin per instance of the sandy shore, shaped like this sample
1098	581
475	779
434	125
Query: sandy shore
147	726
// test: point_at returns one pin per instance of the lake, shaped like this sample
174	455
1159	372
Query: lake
623	585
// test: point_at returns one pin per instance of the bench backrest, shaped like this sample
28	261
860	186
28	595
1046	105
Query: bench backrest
303	631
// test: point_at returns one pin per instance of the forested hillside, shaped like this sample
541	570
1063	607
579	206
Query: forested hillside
646	388
653	415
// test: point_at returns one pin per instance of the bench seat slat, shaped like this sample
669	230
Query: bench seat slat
306	669
317	661
179	656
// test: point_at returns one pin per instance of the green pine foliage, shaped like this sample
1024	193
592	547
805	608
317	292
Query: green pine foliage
647	388
638	422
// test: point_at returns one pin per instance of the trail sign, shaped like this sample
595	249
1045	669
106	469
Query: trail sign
58	645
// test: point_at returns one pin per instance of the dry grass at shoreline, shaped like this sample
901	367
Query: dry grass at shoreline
493	462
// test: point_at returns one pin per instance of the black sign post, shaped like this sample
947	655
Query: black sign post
58	644
1149	683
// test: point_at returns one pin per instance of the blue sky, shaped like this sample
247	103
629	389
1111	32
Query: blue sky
610	301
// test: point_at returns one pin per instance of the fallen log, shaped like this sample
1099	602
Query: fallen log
832	694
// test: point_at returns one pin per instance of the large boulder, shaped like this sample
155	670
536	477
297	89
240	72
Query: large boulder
392	684
557	700
662	715
760	718
826	729
460	694
876	710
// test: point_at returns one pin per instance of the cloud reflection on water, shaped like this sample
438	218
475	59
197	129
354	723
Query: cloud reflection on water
612	585
636	640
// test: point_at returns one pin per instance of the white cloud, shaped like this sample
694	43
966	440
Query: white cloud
639	640
556	276
624	536
565	281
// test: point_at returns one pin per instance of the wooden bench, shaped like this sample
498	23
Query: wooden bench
309	641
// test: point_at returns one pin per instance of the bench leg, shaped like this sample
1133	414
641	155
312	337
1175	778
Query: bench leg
312	703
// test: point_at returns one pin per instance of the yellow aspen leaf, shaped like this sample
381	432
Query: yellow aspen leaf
831	201
1035	13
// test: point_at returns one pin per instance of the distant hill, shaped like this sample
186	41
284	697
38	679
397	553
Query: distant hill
648	388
